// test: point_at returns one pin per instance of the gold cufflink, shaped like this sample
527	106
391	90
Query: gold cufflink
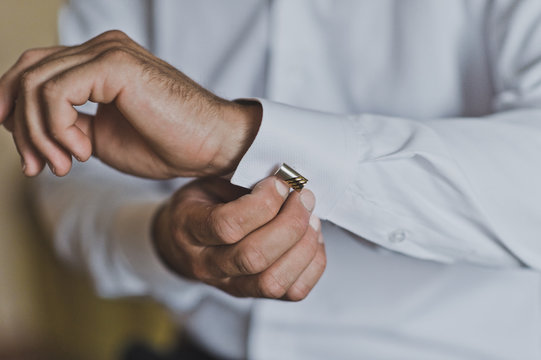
295	180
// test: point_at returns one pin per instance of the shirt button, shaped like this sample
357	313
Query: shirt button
398	236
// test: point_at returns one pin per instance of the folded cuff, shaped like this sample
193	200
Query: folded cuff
322	147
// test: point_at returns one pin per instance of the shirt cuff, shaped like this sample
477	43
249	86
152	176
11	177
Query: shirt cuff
322	147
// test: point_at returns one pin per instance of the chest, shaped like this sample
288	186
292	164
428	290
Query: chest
417	58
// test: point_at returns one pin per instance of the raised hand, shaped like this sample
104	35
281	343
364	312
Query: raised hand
259	244
152	120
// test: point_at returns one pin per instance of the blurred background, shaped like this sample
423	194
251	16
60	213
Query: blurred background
46	310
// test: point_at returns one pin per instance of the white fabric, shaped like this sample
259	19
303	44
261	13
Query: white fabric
418	124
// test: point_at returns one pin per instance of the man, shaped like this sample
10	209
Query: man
429	193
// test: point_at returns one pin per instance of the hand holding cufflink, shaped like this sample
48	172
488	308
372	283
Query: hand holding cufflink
265	243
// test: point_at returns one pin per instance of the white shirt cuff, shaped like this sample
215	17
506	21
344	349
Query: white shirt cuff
322	147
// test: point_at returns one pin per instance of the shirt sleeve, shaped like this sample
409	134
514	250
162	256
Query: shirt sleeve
448	189
100	220
81	20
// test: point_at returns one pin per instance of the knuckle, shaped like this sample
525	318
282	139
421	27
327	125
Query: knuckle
251	260
177	225
28	56
310	248
218	270
214	265
194	266
270	206
34	136
271	287
312	243
106	45
321	262
297	225
113	34
226	228
199	271
177	230
56	131
298	291
29	80
116	53
50	89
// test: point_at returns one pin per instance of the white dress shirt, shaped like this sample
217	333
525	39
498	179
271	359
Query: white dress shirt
418	125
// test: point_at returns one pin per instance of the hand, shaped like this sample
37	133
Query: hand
259	244
152	120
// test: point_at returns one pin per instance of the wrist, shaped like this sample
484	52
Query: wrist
241	121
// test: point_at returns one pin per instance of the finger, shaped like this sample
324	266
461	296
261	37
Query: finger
32	79
84	122
230	222
31	161
58	159
9	82
259	250
95	80
276	281
309	278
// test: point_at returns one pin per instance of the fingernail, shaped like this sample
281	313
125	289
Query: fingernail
23	165
282	188
308	200
53	170
320	238
314	222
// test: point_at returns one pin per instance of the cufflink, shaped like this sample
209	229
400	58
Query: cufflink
295	180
